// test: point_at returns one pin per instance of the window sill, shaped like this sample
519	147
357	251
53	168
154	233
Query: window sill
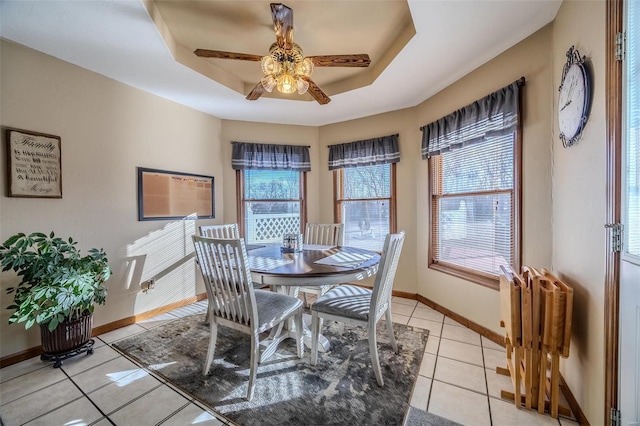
467	274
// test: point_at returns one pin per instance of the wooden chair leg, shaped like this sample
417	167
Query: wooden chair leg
253	370
373	352
389	324
315	333
299	334
213	337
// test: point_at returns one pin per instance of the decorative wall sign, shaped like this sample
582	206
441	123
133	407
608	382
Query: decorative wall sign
34	164
173	195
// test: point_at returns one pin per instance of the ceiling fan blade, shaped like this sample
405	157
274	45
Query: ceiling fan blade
283	24
256	92
204	53
316	92
360	60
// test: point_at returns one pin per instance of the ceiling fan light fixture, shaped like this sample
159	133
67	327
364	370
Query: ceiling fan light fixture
286	84
269	65
268	82
302	86
285	67
304	67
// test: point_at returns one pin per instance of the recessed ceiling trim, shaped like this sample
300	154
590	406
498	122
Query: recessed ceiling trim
402	30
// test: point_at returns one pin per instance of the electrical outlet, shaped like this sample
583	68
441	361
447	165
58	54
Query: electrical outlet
148	286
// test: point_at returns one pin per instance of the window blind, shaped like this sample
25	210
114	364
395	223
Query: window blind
632	136
474	201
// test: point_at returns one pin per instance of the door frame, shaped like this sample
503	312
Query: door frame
614	24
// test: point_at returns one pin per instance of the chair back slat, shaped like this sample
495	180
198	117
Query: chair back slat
328	234
383	284
227	278
228	230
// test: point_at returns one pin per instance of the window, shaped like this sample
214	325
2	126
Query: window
272	204
474	170
631	141
271	187
365	203
364	189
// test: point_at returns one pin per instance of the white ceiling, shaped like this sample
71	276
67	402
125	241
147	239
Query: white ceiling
118	39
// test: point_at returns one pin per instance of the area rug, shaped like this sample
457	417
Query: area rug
340	390
417	417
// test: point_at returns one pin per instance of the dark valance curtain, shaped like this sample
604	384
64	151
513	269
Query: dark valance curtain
270	157
494	115
383	150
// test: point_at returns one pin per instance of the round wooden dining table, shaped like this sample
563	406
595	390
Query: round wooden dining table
303	268
313	266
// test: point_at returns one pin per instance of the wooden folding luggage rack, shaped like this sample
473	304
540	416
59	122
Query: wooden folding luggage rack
536	310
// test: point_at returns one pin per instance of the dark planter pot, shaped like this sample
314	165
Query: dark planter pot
70	338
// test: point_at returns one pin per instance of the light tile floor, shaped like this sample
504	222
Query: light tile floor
457	380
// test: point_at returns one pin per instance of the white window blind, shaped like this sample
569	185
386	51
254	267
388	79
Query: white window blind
472	205
475	198
632	132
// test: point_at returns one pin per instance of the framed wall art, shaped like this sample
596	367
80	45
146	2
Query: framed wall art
34	164
166	195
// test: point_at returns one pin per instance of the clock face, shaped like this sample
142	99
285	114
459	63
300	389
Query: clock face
572	102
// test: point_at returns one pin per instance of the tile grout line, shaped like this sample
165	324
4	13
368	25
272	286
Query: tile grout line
172	414
486	383
87	396
31	393
162	382
460	341
435	364
131	401
2	382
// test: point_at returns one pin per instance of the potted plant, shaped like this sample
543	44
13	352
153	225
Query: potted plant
58	290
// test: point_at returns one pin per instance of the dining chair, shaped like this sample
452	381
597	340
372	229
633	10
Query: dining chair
326	234
234	303
361	306
228	230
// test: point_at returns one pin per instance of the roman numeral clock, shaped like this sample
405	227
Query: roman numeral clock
574	99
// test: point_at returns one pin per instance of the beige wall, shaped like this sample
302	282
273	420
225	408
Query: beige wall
579	206
107	130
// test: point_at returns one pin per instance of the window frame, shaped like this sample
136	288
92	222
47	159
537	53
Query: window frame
241	201
338	197
479	277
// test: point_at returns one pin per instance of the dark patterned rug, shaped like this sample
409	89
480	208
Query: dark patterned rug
340	390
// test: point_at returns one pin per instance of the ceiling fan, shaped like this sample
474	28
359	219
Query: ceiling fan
285	67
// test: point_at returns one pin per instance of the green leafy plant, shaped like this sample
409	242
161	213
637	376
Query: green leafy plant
57	283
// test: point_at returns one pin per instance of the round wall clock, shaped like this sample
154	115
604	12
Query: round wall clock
574	99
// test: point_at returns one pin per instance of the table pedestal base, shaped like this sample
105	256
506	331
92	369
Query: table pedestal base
287	330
